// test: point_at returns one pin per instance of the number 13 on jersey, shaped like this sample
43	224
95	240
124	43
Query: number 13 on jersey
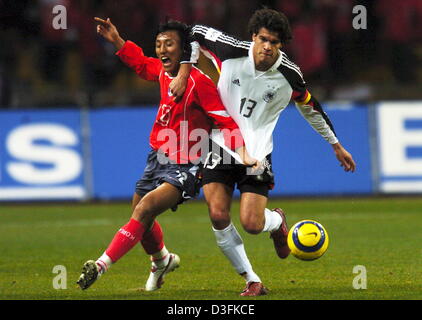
249	105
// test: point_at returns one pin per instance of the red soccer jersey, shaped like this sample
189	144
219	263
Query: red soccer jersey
200	108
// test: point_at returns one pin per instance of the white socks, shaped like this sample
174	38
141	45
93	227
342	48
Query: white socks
104	262
161	258
231	244
273	221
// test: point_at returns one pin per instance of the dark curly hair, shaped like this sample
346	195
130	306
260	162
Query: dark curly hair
272	20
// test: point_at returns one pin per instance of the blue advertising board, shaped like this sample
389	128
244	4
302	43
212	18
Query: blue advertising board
41	155
101	153
119	147
305	164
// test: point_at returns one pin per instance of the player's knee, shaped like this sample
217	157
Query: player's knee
220	224
252	228
144	211
220	217
251	225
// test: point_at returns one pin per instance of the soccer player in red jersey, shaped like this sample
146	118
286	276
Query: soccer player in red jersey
170	176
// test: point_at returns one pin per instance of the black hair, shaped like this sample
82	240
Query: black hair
173	25
272	20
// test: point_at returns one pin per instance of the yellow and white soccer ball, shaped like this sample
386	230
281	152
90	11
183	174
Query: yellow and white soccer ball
307	240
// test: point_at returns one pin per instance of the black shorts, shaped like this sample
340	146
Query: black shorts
238	174
182	176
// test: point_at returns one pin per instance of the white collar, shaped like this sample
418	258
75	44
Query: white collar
168	75
252	61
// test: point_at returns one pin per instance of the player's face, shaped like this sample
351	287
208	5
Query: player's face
265	50
169	51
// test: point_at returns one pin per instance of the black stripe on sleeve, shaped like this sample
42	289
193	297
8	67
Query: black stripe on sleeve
317	106
221	44
294	76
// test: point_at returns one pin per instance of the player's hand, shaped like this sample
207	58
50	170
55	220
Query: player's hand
179	83
108	30
257	168
248	160
177	88
345	158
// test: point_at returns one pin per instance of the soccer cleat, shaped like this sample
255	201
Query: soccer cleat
89	274
156	277
280	236
254	289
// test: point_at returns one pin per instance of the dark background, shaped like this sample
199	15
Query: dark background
41	67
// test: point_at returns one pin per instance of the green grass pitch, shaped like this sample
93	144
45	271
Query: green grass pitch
381	234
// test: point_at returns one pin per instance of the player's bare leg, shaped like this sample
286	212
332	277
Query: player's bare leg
135	200
150	242
156	202
256	218
162	261
218	197
150	206
252	212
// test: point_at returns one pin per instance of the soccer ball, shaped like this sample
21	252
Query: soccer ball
307	240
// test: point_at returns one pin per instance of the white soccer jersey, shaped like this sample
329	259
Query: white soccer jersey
256	99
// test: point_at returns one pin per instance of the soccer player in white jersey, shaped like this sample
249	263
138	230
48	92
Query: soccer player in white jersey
257	81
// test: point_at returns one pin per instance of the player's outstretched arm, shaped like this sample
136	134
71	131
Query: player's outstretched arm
109	32
345	158
221	45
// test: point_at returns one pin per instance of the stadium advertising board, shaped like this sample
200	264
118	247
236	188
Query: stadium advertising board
400	147
41	156
305	164
119	147
69	154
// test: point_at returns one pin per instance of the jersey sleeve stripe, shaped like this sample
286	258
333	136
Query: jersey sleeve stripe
221	113
235	42
286	62
292	68
227	41
316	106
202	30
307	98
